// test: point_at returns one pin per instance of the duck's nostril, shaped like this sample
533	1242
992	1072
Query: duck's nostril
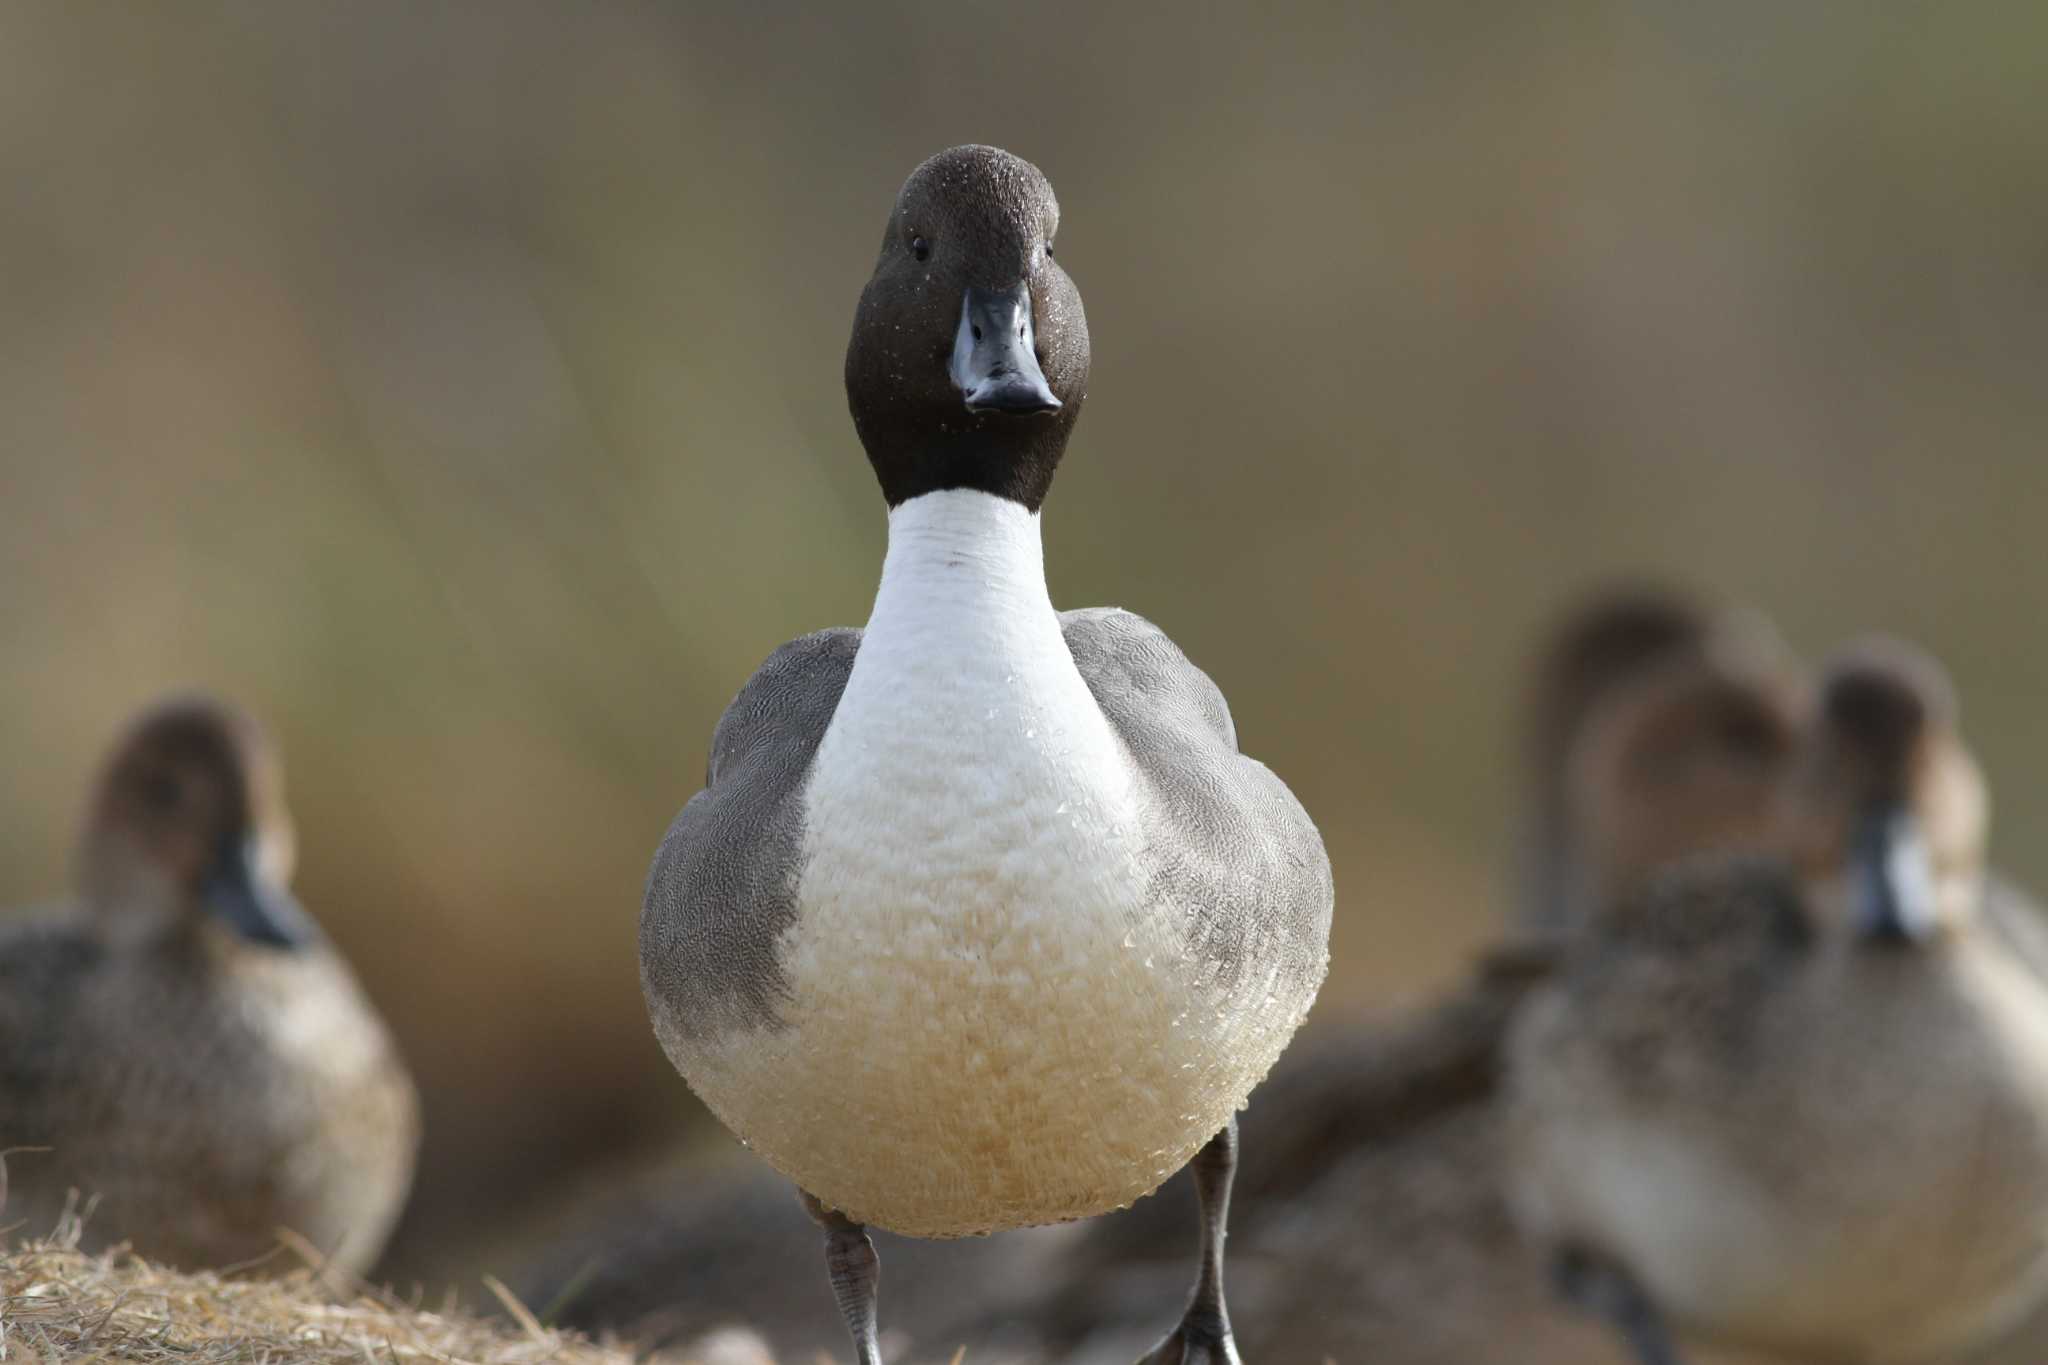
977	331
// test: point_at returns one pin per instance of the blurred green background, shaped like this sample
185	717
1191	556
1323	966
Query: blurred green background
458	386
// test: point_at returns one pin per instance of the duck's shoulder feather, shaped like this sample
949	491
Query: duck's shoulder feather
736	847
1231	848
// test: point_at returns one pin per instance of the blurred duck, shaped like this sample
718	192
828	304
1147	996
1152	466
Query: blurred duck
196	1059
1685	760
1798	1100
1595	653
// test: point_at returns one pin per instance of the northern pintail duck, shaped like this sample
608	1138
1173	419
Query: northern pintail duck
194	1055
981	920
1797	1098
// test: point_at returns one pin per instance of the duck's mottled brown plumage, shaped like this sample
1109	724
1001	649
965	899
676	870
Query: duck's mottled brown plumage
1798	1094
197	1089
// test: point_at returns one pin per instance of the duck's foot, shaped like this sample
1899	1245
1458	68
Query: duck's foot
856	1276
1595	1285
1189	1344
1203	1337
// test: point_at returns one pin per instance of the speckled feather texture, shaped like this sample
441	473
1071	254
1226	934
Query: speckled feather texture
722	892
204	1090
1048	927
1814	1144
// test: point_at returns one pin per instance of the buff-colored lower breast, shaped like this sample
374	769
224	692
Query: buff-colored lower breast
948	1071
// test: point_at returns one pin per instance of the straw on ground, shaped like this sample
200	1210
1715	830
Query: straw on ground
57	1304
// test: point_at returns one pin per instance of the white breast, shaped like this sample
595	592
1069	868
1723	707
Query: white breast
990	1026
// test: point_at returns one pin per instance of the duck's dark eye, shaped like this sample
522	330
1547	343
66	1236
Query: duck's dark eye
1048	248
920	248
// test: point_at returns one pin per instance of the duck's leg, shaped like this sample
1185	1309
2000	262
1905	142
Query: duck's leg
1203	1337
1597	1286
856	1273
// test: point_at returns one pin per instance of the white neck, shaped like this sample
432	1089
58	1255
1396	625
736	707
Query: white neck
963	658
961	555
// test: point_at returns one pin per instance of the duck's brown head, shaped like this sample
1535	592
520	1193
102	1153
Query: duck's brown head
188	818
1602	643
969	356
1686	761
1593	650
1887	813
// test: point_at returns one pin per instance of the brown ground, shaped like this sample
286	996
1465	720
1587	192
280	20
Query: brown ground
57	1304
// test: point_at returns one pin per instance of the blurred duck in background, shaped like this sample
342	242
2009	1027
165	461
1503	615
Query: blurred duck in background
1595	654
1798	1099
1683	759
194	1059
1597	647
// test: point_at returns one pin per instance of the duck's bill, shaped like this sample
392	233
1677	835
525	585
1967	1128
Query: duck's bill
1895	896
254	905
995	365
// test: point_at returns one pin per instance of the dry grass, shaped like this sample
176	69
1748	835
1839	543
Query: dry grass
58	1304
